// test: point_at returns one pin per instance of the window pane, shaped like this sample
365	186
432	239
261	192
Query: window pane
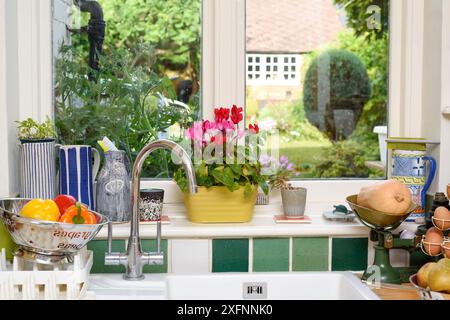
334	88
145	83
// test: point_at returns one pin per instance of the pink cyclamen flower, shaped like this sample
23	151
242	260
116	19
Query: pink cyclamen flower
195	132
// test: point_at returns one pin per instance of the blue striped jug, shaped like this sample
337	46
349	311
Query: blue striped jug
78	167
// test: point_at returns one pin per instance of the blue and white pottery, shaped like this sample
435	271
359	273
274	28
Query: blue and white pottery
38	169
77	172
409	167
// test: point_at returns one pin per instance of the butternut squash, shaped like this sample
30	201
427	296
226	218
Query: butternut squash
390	196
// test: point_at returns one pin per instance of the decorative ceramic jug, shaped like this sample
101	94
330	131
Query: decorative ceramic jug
409	167
114	187
77	172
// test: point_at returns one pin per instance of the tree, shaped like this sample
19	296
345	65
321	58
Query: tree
359	11
173	27
336	83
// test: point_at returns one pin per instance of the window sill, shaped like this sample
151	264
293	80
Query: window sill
322	195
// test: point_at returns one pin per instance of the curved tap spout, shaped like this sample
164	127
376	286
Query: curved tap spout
140	159
135	259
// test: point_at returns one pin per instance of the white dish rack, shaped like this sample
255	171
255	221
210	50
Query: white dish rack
24	280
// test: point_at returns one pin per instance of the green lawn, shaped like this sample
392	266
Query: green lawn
304	152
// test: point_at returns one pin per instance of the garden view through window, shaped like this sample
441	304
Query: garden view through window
128	70
317	74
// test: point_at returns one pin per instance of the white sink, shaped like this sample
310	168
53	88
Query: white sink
234	286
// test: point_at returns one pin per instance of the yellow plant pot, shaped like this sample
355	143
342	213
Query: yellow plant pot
219	205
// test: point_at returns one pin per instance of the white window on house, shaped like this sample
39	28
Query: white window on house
273	69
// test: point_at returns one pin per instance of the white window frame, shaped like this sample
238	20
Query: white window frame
223	75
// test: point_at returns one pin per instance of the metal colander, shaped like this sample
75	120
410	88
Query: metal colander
46	241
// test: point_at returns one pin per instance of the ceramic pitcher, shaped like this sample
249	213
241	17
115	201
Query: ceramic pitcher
409	167
77	172
38	169
114	187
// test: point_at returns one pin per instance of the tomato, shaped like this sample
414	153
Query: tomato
41	209
64	201
78	214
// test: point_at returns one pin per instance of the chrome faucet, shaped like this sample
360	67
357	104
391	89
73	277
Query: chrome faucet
134	259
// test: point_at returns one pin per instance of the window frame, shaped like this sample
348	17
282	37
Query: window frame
223	71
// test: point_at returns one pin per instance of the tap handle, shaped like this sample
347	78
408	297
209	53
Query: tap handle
158	236
109	236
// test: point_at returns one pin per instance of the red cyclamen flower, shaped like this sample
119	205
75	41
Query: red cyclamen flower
236	114
221	114
254	128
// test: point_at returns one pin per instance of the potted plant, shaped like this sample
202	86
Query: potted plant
30	131
293	198
37	159
227	169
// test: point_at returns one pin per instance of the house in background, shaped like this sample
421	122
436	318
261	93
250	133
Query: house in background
279	35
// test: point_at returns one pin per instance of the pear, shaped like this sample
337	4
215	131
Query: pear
439	276
422	275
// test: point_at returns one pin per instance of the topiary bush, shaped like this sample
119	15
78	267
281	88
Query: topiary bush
336	80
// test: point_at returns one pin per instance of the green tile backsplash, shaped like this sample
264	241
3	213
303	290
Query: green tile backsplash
230	255
349	254
310	254
99	248
270	254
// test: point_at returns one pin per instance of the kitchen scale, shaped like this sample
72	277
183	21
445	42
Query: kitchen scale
381	225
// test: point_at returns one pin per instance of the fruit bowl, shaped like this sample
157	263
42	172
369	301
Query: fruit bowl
378	220
46	241
426	293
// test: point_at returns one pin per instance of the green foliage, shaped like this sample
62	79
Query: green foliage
345	159
357	15
173	26
123	104
232	176
290	122
31	129
346	73
336	79
375	54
